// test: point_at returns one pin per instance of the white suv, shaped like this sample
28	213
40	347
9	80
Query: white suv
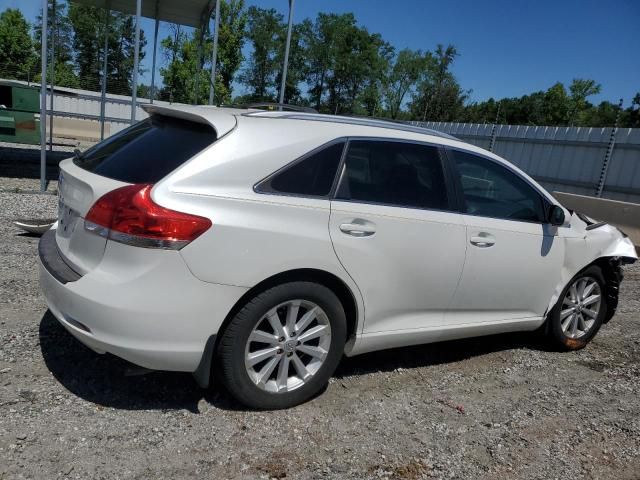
268	244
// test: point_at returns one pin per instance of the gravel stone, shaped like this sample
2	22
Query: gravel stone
491	407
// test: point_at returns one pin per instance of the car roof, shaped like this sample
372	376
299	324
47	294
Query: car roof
361	121
224	119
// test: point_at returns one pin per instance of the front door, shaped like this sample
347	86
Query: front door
394	232
514	257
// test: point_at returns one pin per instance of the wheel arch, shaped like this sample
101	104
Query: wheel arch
611	268
329	280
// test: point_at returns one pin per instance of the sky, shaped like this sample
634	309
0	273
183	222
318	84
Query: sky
507	47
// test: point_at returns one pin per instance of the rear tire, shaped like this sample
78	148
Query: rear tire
577	316
283	345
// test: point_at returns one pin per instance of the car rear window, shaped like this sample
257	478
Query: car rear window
148	150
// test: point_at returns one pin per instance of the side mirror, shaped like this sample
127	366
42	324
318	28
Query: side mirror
556	215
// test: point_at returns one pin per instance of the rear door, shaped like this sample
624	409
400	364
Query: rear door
142	153
514	257
394	231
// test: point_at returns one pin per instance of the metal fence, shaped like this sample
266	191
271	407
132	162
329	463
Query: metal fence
581	160
568	159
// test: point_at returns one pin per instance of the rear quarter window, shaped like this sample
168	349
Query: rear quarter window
312	175
148	150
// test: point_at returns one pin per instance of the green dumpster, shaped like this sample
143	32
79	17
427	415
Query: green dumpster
19	113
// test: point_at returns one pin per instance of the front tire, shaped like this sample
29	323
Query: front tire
581	308
282	347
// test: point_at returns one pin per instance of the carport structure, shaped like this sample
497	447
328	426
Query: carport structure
190	13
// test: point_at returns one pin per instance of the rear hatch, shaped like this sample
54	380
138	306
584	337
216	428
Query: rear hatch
141	154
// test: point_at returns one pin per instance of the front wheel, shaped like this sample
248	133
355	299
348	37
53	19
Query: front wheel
281	348
580	310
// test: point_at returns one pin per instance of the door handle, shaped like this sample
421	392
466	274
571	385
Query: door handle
358	229
482	240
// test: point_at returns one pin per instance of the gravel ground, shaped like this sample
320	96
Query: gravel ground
493	407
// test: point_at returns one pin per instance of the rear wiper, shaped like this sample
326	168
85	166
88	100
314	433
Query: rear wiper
77	154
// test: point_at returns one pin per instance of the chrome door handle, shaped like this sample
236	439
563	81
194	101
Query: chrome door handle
482	240
357	229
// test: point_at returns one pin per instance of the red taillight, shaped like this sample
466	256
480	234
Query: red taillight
129	215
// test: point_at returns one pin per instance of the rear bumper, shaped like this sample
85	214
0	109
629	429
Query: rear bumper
139	304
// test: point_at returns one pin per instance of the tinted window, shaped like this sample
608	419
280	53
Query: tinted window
148	150
394	173
311	176
492	190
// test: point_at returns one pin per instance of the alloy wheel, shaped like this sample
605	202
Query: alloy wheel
287	346
580	307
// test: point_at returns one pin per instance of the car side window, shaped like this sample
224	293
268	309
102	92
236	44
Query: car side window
394	173
491	190
311	176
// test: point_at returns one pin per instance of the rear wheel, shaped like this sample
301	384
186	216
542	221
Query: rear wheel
578	315
281	348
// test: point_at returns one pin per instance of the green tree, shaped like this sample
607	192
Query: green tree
297	67
403	76
16	48
556	105
359	58
185	70
231	38
581	89
60	38
264	32
121	54
633	113
89	29
439	96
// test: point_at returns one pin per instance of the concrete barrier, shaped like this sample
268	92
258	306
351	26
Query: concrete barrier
79	129
623	215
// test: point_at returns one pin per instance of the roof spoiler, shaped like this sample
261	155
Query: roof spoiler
221	121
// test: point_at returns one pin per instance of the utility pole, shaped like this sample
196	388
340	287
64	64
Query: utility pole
286	54
214	55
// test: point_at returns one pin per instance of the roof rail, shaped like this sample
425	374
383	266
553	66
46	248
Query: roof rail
287	107
363	121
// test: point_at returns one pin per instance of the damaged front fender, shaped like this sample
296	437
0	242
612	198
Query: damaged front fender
601	244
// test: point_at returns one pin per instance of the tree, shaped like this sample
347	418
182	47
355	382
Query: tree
581	89
60	38
402	78
556	105
121	54
89	29
439	96
264	32
297	68
633	113
355	62
185	77
16	49
231	37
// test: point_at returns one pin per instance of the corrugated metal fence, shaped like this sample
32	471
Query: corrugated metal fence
568	159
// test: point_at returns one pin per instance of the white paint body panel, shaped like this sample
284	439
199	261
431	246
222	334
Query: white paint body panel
513	278
416	279
408	270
